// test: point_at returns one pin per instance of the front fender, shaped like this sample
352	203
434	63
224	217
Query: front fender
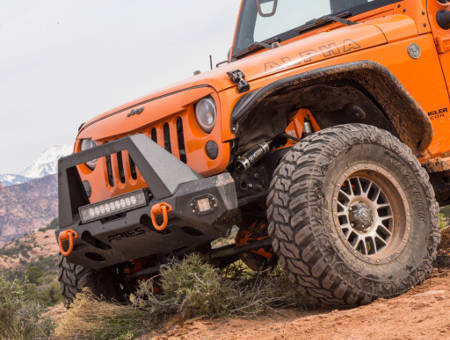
276	102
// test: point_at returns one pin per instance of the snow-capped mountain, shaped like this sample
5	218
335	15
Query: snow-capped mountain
29	200
47	162
11	179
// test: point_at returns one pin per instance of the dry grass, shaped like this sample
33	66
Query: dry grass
90	318
190	288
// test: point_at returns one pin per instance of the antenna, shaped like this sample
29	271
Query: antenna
211	62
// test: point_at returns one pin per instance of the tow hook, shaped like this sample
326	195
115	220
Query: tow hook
163	209
66	235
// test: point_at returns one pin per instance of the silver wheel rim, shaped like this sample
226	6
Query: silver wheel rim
370	213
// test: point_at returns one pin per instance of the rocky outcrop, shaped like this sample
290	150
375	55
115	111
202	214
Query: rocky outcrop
28	248
27	207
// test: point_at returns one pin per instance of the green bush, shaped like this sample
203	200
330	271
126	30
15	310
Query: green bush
194	288
53	225
48	294
20	312
34	274
442	221
16	249
190	287
41	276
445	211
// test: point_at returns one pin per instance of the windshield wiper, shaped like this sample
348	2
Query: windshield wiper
326	19
314	23
257	46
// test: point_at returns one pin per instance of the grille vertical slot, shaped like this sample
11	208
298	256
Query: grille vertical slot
133	171
180	136
120	166
109	170
167	143
125	169
154	135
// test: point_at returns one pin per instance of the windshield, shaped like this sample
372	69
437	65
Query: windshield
285	16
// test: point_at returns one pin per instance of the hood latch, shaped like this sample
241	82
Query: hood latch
238	77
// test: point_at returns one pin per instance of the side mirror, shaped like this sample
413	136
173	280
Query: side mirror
267	8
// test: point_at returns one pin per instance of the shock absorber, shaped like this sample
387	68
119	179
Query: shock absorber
307	128
248	159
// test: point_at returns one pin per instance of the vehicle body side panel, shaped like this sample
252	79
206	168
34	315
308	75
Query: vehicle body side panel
442	39
422	77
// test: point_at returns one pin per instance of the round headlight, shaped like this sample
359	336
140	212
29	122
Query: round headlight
87	144
206	114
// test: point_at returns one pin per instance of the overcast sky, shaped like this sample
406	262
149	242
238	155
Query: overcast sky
64	61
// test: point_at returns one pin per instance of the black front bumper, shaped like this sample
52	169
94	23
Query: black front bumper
130	235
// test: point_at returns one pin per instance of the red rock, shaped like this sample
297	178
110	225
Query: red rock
27	207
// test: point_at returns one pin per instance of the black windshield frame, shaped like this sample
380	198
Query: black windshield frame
247	19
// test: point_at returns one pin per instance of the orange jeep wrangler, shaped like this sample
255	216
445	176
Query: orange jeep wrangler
324	138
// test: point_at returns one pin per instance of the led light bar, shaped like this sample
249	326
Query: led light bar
113	206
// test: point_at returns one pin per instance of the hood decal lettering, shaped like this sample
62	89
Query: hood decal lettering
308	56
330	50
350	45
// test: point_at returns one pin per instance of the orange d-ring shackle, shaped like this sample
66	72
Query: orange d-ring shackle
163	209
67	235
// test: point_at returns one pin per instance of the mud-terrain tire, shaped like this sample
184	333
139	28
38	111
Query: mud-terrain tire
73	278
312	232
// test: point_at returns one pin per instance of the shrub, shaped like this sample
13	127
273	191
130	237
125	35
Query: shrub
15	250
194	288
34	274
48	294
20	313
41	278
442	221
446	211
444	217
190	288
53	225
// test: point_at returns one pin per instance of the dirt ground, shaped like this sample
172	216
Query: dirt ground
423	313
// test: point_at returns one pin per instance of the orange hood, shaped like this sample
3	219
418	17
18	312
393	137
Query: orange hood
305	51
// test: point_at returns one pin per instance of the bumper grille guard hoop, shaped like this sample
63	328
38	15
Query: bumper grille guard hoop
151	160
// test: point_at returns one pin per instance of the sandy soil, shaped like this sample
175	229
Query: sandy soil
55	313
423	313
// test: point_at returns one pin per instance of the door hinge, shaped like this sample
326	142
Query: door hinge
442	44
238	77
